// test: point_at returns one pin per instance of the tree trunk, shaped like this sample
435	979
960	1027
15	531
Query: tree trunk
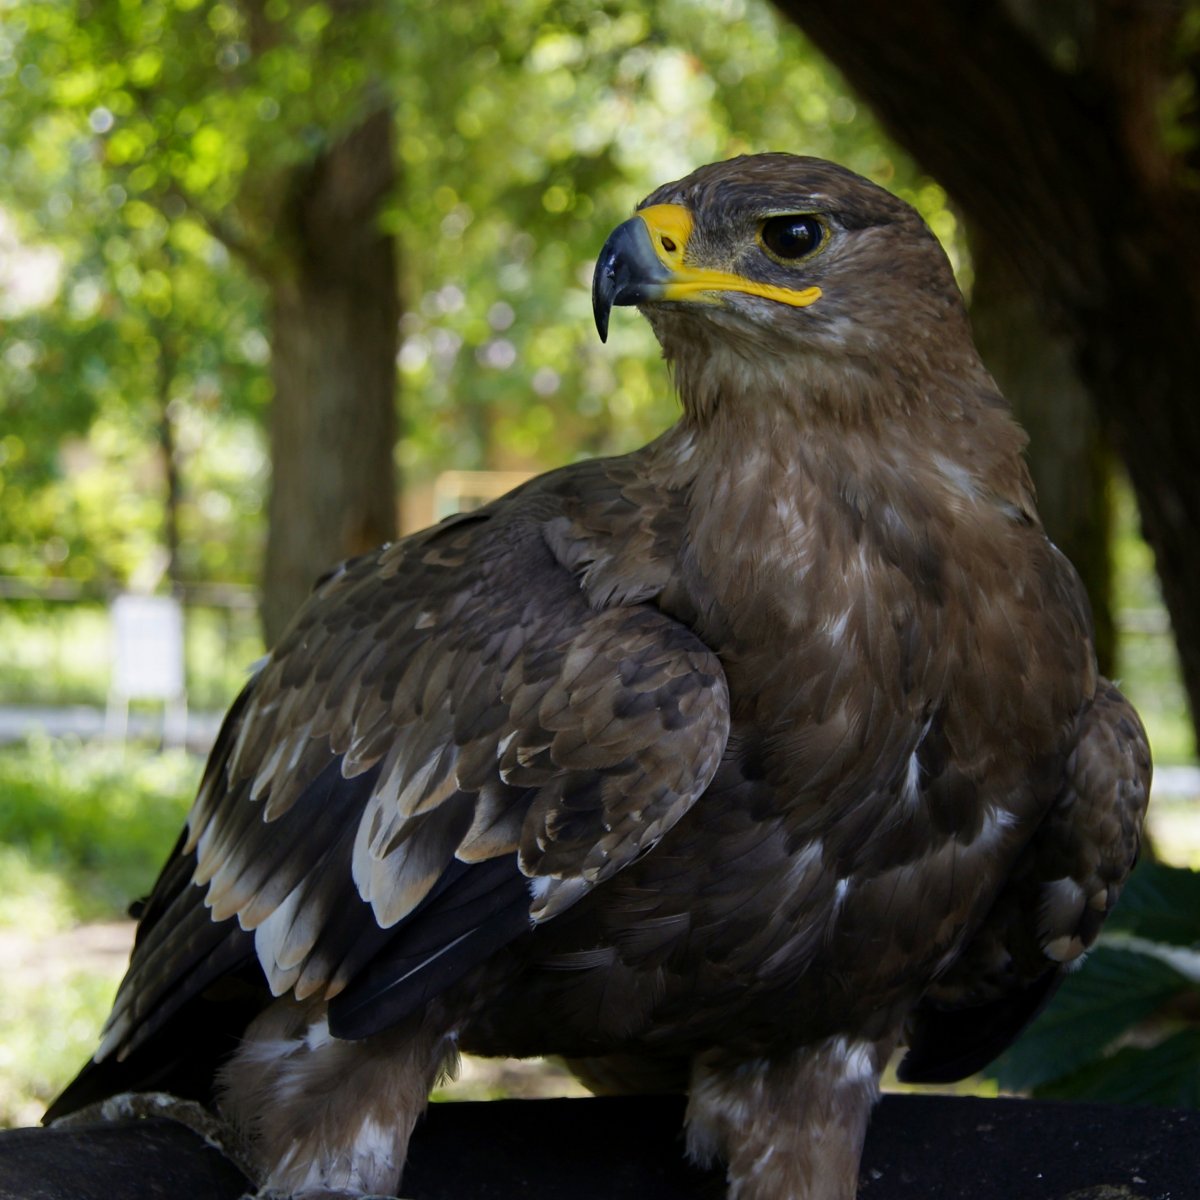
335	313
173	489
1067	453
1059	171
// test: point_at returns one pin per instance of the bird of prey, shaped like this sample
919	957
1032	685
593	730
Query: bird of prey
735	761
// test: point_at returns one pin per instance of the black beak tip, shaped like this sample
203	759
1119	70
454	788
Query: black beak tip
601	323
627	272
604	287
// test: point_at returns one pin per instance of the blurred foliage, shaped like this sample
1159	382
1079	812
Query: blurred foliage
145	156
84	828
1125	1027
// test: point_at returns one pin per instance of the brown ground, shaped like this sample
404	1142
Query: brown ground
100	947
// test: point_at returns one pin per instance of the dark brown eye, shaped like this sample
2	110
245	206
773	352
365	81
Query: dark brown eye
791	236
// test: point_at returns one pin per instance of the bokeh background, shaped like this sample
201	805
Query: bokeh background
282	279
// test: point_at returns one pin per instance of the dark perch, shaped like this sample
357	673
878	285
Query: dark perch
918	1148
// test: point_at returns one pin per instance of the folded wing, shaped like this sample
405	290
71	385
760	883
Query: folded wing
1053	906
448	747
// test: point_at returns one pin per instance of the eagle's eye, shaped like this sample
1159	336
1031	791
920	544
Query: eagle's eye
792	236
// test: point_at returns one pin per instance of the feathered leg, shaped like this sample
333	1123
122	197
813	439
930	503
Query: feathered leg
330	1118
790	1128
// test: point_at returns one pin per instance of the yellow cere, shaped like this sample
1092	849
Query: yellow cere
670	226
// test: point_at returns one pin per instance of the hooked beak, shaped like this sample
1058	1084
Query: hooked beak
645	259
627	272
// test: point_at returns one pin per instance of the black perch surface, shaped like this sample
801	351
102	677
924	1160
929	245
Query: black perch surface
626	1148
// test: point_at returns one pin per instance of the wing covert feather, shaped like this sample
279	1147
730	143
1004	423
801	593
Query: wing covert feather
1052	909
453	699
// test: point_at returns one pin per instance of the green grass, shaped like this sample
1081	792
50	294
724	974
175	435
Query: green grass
84	830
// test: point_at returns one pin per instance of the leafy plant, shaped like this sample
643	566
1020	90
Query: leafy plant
1126	1026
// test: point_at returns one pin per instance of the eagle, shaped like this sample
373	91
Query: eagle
729	765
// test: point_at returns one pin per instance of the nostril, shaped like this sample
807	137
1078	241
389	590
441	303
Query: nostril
668	245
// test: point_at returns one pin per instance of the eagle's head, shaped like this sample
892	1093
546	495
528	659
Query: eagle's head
774	272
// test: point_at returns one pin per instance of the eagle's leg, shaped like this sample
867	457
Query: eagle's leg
328	1118
789	1128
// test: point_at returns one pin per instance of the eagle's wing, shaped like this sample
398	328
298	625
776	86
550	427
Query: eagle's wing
1053	906
447	744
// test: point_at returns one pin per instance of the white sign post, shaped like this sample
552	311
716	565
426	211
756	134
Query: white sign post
148	662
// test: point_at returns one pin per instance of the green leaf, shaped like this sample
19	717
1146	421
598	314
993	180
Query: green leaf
1114	990
1161	903
1166	1074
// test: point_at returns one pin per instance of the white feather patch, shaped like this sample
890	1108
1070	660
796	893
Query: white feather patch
857	1059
